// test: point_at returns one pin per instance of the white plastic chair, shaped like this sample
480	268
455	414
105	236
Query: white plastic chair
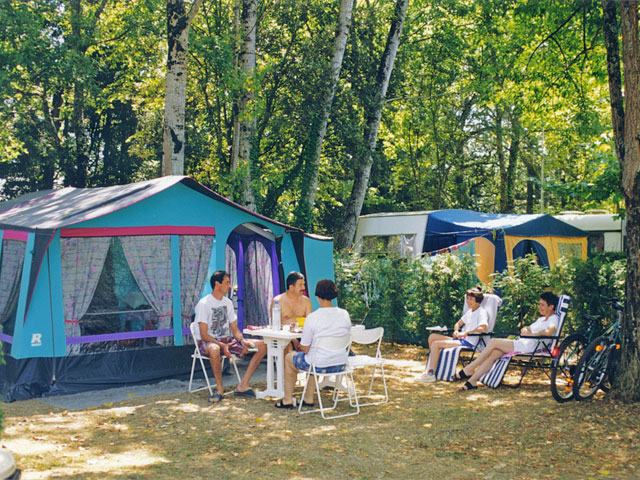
333	344
197	355
367	337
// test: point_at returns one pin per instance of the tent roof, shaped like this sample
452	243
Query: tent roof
469	222
55	209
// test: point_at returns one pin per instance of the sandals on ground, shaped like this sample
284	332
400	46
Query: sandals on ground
215	398
460	375
467	386
280	404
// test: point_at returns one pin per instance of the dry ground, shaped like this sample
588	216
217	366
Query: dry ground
425	431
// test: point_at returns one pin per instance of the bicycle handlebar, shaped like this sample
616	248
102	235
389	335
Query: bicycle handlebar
616	305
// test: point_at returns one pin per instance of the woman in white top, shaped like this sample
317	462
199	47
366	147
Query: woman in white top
327	321
475	320
544	326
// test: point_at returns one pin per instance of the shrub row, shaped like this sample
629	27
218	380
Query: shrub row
407	295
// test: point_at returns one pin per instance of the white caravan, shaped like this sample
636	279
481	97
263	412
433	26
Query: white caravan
606	230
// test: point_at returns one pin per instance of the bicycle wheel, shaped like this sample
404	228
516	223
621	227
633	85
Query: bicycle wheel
592	369
564	367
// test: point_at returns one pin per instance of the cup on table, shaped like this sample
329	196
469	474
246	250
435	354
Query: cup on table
300	321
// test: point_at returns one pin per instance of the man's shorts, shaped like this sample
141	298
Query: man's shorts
301	364
465	343
235	347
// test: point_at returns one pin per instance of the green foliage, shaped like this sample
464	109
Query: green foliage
520	288
437	298
480	93
403	294
602	275
407	295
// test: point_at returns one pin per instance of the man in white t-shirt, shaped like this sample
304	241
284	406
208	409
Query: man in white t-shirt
220	335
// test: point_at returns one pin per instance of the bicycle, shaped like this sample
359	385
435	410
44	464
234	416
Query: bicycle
566	358
596	368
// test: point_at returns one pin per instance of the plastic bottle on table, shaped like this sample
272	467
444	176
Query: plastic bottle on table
275	317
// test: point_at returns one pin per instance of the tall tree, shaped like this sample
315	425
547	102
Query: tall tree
244	128
625	116
178	25
313	145
374	113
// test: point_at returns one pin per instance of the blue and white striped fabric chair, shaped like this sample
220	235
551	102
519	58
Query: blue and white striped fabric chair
449	356
540	358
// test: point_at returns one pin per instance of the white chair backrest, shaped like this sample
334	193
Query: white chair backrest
561	311
490	303
334	344
364	336
195	331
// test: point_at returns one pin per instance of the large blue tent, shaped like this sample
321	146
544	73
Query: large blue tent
98	285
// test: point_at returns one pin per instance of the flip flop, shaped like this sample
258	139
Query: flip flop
460	375
215	398
467	386
279	404
246	393
307	404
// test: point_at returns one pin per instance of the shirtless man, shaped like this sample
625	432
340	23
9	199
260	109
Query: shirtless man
293	303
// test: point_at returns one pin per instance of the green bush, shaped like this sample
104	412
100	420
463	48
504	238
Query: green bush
602	275
403	294
407	295
520	289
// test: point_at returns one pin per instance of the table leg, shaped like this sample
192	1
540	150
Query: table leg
275	388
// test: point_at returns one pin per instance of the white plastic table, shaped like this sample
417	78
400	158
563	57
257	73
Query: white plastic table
276	341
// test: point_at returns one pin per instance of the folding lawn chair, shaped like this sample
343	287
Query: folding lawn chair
194	328
449	356
541	357
333	344
368	337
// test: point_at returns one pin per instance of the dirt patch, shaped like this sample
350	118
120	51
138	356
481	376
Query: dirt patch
425	431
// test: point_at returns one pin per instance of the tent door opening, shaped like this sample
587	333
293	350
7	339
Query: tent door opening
252	262
527	247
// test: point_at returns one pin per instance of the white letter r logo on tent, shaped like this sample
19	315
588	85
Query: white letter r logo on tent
36	340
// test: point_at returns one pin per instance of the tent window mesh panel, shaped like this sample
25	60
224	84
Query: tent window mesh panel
401	244
570	250
11	263
116	285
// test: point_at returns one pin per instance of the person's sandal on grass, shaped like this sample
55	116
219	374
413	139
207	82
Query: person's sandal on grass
215	398
467	386
281	404
460	375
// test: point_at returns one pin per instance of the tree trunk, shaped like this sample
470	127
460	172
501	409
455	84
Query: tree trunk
178	25
313	145
514	152
244	127
626	123
363	169
76	174
501	160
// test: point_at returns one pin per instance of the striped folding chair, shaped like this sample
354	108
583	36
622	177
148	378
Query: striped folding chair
449	356
541	357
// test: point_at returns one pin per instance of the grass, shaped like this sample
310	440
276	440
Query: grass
425	431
